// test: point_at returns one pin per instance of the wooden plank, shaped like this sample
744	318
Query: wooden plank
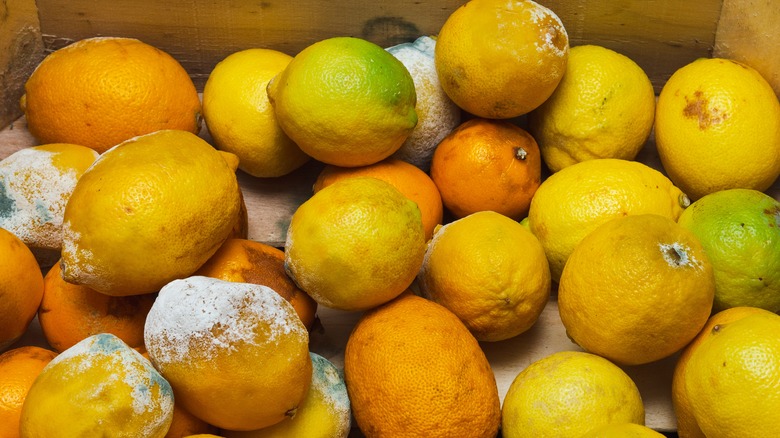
21	49
661	35
748	31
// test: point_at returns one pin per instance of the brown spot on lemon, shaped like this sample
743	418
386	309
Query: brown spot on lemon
699	108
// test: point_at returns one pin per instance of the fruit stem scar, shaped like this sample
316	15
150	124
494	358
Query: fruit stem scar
684	200
520	153
674	254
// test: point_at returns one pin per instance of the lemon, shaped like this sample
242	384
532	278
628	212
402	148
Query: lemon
128	225
490	271
355	244
323	413
636	289
437	114
345	101
35	184
568	393
240	118
717	127
99	386
574	201
740	232
603	108
623	430
733	378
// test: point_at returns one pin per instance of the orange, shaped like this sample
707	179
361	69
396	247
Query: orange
248	261
717	127
185	424
235	354
487	165
21	288
18	369
98	92
636	289
407	178
70	313
501	58
414	370
687	426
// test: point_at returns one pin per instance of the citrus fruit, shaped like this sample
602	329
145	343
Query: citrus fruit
623	430
69	313
18	369
324	413
249	261
732	378
575	200
717	127
603	108
414	370
437	114
241	120
487	165
490	271
355	244
687	426
636	289
99	386
501	59
35	184
101	91
345	101
185	424
128	224
567	394
408	179
236	354
740	232
21	288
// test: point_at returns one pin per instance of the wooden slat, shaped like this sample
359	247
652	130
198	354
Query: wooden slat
21	49
748	31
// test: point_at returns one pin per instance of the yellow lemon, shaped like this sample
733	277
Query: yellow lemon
623	430
636	289
717	127
733	378
240	117
574	201
99	386
437	114
490	271
687	426
499	59
236	354
128	225
355	244
740	232
323	413
35	184
603	108
568	393
345	101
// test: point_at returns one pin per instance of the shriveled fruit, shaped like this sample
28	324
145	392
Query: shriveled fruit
345	101
98	92
717	127
21	288
414	370
500	59
99	385
128	224
636	289
567	394
355	244
490	271
235	353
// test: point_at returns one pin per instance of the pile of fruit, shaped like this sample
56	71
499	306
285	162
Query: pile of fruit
468	179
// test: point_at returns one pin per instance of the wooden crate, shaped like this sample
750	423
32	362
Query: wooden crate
660	35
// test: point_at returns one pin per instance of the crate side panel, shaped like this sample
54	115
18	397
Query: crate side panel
21	49
748	31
